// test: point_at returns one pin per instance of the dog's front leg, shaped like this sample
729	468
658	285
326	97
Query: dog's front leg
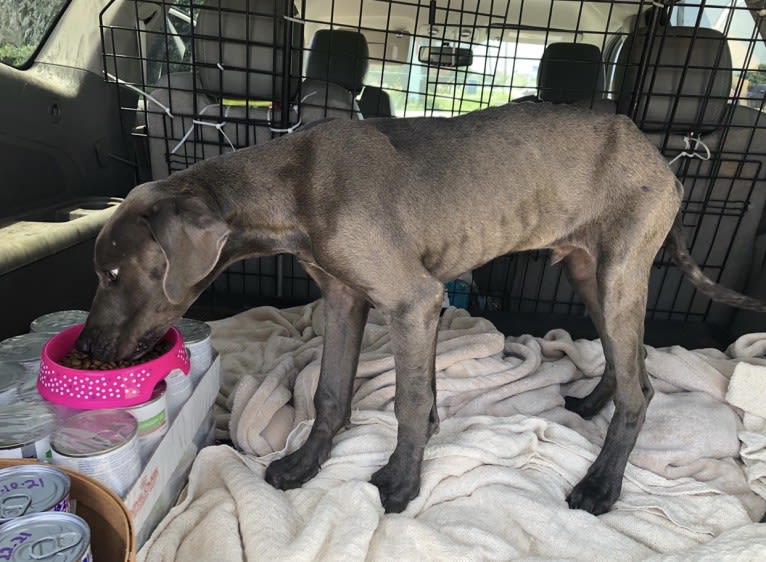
413	337
345	317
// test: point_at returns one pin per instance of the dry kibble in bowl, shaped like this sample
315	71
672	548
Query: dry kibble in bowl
77	359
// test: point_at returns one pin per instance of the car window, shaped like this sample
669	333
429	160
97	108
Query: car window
506	46
500	71
24	24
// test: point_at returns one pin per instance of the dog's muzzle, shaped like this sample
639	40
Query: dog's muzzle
96	347
109	348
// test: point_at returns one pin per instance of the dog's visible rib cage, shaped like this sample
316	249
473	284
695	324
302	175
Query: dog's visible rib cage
717	76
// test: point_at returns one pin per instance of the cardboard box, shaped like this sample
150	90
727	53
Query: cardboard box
120	527
111	530
164	476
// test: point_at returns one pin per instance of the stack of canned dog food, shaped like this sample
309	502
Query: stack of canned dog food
110	445
37	519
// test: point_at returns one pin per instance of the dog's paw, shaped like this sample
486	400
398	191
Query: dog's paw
293	470
594	494
396	487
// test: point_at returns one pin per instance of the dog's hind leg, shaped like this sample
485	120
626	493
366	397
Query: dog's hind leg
580	268
345	316
414	327
622	283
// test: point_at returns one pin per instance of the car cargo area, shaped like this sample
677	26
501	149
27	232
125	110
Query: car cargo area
104	96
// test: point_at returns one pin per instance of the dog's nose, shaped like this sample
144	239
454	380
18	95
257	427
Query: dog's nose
84	343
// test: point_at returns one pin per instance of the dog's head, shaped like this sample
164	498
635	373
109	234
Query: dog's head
152	258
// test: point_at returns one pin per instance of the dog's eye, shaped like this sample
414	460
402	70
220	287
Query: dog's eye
112	274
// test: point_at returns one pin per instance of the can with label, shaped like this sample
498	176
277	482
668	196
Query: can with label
152	417
24	349
25	430
102	444
32	488
11	377
196	335
59	537
179	391
55	322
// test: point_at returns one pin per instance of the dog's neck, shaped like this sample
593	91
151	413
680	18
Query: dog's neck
266	223
272	232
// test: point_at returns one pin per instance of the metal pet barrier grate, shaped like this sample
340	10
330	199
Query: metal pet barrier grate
216	75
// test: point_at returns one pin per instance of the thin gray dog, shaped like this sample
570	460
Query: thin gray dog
381	213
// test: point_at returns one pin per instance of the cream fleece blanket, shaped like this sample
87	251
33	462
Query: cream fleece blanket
496	475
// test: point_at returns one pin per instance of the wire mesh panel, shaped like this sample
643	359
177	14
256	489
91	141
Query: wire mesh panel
685	78
215	75
449	57
218	75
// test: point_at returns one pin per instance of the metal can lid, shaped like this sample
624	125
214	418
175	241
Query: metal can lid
22	423
54	322
26	489
11	374
193	331
63	537
24	347
94	433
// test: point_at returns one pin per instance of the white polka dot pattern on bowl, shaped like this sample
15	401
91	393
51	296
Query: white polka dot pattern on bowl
96	386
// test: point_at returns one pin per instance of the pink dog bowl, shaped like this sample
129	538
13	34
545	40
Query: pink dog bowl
116	388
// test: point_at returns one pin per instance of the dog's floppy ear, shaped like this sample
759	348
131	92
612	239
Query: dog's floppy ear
191	240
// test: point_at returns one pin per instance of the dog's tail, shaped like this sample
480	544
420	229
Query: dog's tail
676	247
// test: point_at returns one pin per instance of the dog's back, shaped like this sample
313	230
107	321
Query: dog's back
461	191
